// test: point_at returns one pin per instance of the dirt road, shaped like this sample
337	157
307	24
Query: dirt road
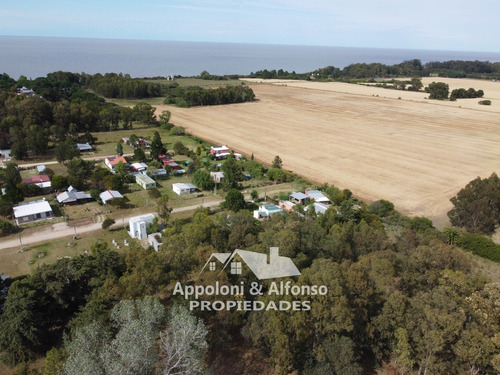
60	230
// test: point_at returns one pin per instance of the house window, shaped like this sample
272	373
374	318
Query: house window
212	266
236	268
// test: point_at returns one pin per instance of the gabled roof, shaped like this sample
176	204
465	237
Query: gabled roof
317	195
258	264
36	179
299	196
31	208
109	194
72	195
114	160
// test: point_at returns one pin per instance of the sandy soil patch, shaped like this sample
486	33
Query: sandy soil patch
414	152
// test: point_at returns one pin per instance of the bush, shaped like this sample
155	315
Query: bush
6	226
485	102
154	193
381	208
479	245
177	130
203	180
107	223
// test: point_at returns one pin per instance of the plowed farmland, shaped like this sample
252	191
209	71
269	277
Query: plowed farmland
379	143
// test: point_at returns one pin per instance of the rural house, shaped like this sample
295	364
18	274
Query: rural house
182	188
299	198
32	211
154	239
266	211
73	196
84	147
109	195
113	161
42	181
217	176
219	152
144	181
263	266
138	226
317	196
168	162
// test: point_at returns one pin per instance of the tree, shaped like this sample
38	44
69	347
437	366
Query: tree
165	117
179	148
59	182
235	200
66	150
163	209
157	147
145	113
94	351
139	154
79	171
438	90
416	84
477	205
119	149
12	178
183	343
203	180
277	163
233	174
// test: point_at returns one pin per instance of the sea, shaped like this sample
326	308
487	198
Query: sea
35	57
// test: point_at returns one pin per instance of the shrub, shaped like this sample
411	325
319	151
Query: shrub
485	102
479	245
381	208
107	223
154	193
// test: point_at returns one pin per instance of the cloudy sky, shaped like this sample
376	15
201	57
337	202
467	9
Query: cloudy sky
425	24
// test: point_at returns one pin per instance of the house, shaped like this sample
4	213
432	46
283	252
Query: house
25	91
217	176
219	152
138	225
73	196
126	140
182	188
84	147
155	240
158	173
109	195
113	161
266	211
141	142
287	205
299	198
42	181
32	211
263	266
139	167
319	208
168	161
144	181
317	196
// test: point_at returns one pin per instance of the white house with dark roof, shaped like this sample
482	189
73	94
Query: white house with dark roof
263	266
32	211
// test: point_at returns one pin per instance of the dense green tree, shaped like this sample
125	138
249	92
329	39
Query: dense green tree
233	173
438	90
163	209
139	154
477	205
12	178
79	171
277	163
157	147
119	149
145	113
203	180
59	182
235	201
66	150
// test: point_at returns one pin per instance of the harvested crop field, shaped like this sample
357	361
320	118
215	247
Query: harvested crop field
417	153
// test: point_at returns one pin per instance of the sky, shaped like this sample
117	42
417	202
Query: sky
461	25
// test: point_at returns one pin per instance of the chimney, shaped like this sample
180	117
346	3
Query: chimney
273	255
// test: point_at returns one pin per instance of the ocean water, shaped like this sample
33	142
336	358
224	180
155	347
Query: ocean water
36	56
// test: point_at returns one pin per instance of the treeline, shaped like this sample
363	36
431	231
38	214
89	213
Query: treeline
112	85
408	68
197	96
399	297
466	94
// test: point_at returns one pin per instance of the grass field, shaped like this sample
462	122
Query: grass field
381	144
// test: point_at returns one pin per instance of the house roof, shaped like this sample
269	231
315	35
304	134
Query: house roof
144	178
84	147
36	179
299	196
72	195
319	208
114	160
219	148
182	186
32	208
110	194
138	166
258	264
317	195
147	218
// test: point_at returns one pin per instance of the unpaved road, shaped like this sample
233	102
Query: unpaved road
415	152
59	230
